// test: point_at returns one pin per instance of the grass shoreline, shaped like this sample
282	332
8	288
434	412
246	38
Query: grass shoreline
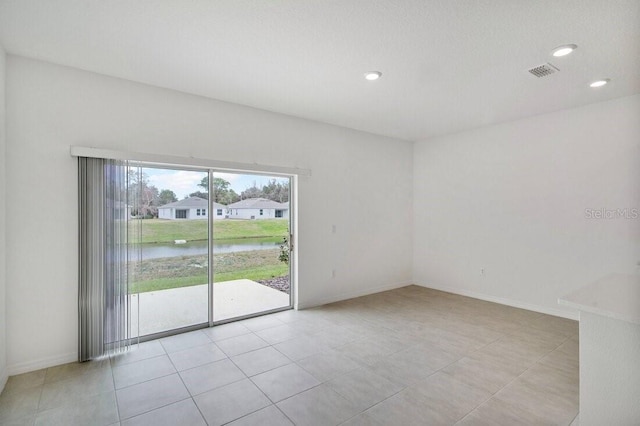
167	231
183	271
248	237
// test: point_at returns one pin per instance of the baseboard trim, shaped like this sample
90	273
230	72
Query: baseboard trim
352	294
508	302
38	364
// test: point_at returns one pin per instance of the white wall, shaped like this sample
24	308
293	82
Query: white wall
253	213
50	108
3	344
511	199
193	214
165	213
609	371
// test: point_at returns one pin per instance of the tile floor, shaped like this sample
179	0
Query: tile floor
402	357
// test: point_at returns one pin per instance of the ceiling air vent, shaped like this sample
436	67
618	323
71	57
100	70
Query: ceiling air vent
543	70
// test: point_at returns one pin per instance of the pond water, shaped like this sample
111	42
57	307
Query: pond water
193	248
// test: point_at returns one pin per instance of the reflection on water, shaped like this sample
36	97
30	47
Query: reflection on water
192	248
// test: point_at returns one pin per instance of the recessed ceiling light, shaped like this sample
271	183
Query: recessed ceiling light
563	50
600	83
372	75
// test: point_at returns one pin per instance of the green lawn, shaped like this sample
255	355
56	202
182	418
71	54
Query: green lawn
254	274
161	231
184	271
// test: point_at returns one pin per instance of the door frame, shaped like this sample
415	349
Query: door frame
293	243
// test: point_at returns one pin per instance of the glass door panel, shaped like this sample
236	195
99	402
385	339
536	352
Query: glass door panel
251	232
169	281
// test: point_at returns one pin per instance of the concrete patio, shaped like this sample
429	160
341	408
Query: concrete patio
164	310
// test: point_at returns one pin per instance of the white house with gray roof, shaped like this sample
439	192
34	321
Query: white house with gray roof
191	208
258	208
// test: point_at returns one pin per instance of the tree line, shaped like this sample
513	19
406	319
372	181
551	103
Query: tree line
149	197
223	194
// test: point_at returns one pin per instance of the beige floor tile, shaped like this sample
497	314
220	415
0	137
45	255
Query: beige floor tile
406	408
513	350
446	395
563	362
138	352
561	325
142	371
20	403
483	374
285	381
479	333
395	341
225	331
402	370
362	419
241	344
301	347
365	329
550	339
196	356
450	341
320	406
279	333
75	369
269	416
260	360
23	421
183	413
553	381
369	351
25	381
97	410
288	316
364	388
211	376
538	402
228	403
64	392
261	323
147	396
499	413
336	336
327	365
407	356
571	347
184	341
428	357
311	326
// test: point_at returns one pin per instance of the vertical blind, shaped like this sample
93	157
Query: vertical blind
105	258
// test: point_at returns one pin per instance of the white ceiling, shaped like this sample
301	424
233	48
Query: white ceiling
447	65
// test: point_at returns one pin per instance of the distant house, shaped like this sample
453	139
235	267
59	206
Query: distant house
258	208
191	208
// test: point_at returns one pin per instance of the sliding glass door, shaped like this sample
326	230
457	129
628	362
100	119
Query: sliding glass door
206	246
251	267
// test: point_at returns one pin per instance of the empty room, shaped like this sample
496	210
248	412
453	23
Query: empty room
253	212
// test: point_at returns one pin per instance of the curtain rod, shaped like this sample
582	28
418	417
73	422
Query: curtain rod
172	160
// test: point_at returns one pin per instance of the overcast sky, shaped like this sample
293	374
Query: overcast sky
184	182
